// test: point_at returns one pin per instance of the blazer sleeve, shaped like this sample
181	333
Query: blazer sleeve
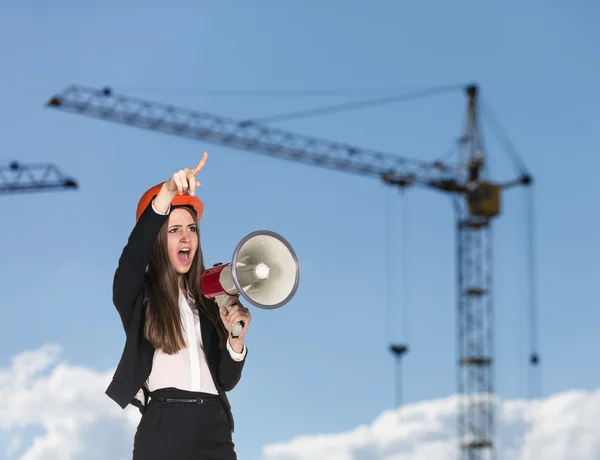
230	370
128	281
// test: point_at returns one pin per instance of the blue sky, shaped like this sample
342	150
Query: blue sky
321	363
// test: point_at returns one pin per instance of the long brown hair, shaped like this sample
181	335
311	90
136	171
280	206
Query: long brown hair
163	326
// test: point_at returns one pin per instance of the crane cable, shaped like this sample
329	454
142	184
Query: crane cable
400	346
535	387
356	104
389	322
272	93
534	374
404	270
390	268
503	138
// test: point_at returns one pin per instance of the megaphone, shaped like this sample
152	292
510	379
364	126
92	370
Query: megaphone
264	270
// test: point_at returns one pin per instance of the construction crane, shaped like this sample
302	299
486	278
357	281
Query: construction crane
476	199
19	178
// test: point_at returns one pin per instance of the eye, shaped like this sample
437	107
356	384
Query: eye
193	228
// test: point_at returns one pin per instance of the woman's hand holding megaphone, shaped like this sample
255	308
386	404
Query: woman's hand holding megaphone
232	313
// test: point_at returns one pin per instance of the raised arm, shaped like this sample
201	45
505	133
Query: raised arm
128	282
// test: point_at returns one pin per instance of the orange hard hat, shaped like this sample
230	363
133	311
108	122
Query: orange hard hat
180	200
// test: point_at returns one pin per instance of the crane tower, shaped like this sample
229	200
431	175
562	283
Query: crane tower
476	200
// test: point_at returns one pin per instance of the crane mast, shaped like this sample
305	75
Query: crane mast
20	178
474	286
476	203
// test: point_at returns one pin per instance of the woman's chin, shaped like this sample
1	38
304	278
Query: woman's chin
182	269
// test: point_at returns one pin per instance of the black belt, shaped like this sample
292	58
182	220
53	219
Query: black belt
187	400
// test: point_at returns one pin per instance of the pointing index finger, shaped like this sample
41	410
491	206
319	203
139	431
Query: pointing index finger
200	164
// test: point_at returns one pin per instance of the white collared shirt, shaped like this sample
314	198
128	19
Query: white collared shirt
187	369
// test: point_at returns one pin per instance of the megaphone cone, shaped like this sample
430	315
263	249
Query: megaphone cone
264	270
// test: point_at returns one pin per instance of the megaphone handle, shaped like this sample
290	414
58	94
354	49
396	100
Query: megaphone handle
236	329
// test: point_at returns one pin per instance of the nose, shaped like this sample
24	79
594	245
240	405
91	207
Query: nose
185	236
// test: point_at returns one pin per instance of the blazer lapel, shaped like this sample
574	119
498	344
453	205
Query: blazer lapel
206	328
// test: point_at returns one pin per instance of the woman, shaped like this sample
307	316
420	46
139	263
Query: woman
179	357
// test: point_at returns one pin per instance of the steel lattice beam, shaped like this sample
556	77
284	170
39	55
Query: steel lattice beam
19	178
140	113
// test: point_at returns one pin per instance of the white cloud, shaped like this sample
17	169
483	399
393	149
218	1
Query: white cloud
77	420
51	410
565	427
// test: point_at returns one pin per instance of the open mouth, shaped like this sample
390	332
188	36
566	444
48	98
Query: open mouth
184	255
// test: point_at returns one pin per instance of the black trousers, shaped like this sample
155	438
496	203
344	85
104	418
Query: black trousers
174	430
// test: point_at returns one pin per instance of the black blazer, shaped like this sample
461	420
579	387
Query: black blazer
128	296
